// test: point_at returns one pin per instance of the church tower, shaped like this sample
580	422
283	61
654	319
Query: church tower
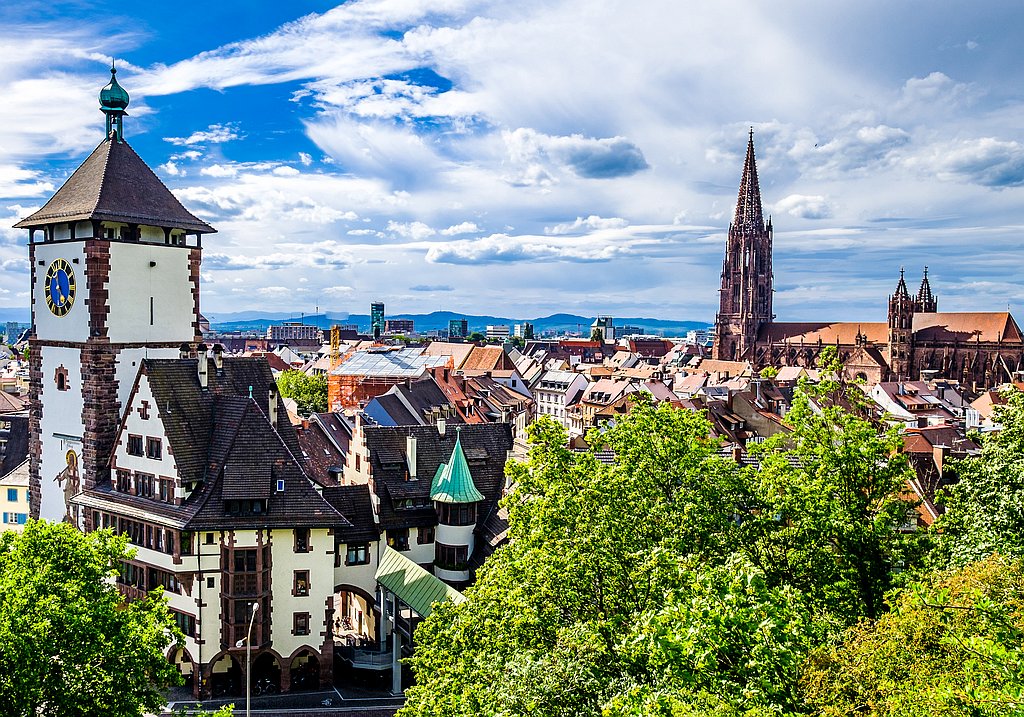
746	294
901	327
115	279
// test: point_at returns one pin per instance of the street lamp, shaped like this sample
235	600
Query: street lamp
248	662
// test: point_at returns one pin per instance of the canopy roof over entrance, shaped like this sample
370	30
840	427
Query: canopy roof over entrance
412	584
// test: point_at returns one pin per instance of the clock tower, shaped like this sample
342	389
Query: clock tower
115	279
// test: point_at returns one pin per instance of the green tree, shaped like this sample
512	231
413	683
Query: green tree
597	335
825	509
308	391
985	509
476	337
953	646
594	548
769	372
69	644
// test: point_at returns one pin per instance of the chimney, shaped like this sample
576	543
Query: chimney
939	454
218	357
737	454
272	407
410	455
440	426
204	375
183	351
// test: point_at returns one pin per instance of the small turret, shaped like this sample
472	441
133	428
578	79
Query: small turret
926	302
114	101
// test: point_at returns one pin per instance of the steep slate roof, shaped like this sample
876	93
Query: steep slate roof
222	439
17	444
453	481
114	184
353	501
486	446
406	404
200	424
412	584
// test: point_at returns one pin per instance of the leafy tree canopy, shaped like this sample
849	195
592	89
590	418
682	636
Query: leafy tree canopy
69	644
985	509
308	391
953	645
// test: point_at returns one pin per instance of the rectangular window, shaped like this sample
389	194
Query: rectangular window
300	623
209	538
186	623
425	535
134	445
399	539
357	554
154	448
301	585
451	557
245	561
12	495
301	540
185	543
124	481
166	490
144	484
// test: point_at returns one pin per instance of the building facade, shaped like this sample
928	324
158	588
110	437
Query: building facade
977	349
294	331
115	278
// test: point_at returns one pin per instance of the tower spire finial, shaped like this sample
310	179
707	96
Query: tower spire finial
113	103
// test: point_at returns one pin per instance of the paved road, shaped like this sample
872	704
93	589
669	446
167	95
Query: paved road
302	704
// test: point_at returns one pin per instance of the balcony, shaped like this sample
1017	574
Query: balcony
362	659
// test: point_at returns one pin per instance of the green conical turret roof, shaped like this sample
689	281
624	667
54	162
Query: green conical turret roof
453	482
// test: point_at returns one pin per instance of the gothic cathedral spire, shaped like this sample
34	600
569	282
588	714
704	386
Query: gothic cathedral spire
746	294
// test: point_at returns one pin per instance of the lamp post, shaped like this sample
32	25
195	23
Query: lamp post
248	661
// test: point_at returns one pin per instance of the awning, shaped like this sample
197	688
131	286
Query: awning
412	584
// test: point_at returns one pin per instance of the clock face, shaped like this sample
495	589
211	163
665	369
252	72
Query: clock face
60	287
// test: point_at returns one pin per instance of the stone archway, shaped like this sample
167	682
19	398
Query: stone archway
266	673
304	670
355	619
226	676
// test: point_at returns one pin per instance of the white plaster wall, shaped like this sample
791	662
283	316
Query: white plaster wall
206	564
133	423
73	326
319	561
420	554
62	414
128	363
455	535
133	281
361	576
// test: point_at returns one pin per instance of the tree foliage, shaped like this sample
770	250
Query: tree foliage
675	582
308	390
69	644
827	503
985	509
953	645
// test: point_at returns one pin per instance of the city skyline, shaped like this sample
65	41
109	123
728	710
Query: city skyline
527	158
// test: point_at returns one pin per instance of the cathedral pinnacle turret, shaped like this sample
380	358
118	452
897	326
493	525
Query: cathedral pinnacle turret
926	301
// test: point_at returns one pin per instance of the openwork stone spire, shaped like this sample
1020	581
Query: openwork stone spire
749	212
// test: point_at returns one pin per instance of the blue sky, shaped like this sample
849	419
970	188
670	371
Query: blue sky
521	158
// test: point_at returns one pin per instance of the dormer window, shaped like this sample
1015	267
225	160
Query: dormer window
245	507
280	485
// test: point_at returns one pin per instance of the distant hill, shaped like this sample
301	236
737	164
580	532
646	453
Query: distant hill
255	321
